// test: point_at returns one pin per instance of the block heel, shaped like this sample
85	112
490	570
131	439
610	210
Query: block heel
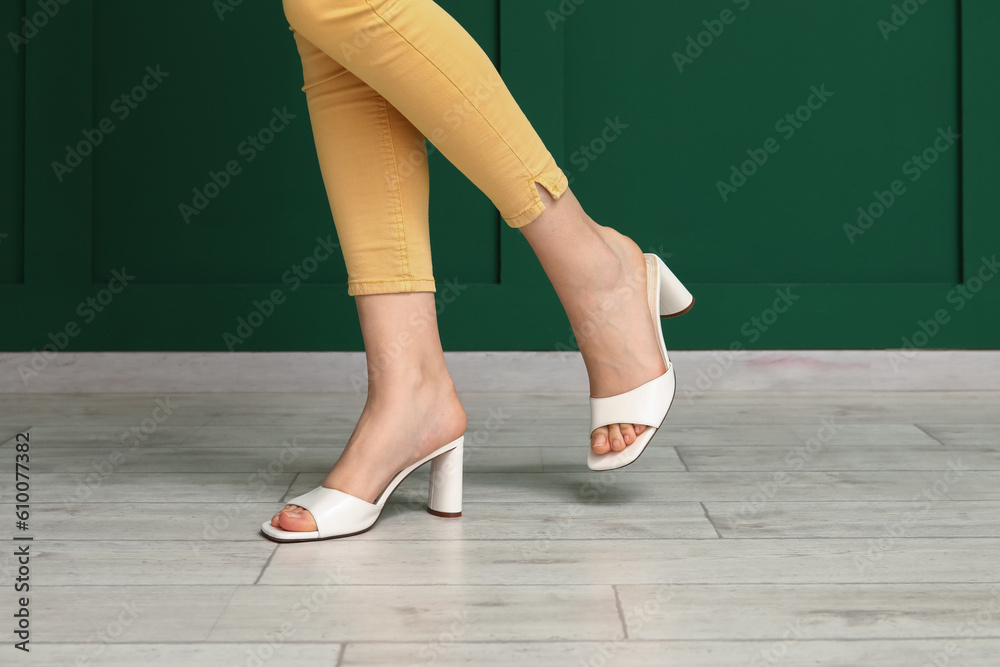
675	299
444	497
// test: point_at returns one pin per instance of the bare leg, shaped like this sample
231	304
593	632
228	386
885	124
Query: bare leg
600	278
412	407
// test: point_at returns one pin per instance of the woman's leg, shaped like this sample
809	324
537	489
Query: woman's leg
380	214
423	64
427	66
374	167
600	278
412	407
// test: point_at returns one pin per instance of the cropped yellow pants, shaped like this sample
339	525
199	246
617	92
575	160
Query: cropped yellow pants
379	77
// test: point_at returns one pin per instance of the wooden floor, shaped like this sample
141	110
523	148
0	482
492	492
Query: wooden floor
760	528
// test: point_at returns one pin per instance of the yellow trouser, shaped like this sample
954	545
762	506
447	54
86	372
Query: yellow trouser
379	76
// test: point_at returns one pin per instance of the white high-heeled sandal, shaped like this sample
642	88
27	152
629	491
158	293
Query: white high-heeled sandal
647	404
339	514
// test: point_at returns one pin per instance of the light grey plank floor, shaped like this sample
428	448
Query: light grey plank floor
761	528
786	652
965	435
836	458
890	521
274	650
215	522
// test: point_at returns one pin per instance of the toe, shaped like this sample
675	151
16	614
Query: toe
628	433
615	436
639	428
297	519
276	519
599	440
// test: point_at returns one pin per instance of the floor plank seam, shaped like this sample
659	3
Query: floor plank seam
596	642
621	612
222	612
709	518
680	458
284	496
932	436
266	563
210	420
504	540
672	582
13	436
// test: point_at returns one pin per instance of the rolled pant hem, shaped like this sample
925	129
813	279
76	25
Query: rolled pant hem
367	287
556	189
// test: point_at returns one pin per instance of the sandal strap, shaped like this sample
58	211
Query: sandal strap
646	404
336	512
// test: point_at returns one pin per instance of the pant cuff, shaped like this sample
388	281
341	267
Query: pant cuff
556	187
365	287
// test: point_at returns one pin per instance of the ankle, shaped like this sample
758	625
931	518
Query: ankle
607	269
401	381
622	247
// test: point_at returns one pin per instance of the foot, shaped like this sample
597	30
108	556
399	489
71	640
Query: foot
600	278
403	422
614	329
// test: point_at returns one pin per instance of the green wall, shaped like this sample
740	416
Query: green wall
649	111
